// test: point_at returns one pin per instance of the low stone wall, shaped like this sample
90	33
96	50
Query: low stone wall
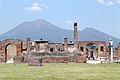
18	60
39	61
50	59
38	58
35	62
81	59
57	59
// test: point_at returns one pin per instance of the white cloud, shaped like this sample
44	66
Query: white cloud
101	1
37	7
110	3
106	2
118	1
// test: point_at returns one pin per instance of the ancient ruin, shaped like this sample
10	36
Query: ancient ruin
44	51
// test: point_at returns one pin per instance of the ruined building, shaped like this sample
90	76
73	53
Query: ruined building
71	51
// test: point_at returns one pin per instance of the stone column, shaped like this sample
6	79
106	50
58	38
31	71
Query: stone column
111	49
66	44
75	36
28	44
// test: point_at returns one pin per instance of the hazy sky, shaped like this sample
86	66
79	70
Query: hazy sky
103	15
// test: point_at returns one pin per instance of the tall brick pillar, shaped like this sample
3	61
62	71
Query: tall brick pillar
19	47
66	44
75	36
28	44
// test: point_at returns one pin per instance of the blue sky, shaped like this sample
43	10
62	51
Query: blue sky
103	15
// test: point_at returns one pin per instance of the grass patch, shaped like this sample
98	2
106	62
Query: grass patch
62	71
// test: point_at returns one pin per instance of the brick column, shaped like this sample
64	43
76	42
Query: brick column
19	47
65	44
75	36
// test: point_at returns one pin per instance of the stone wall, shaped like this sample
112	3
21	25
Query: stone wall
54	59
81	59
39	61
18	60
118	51
1	60
58	59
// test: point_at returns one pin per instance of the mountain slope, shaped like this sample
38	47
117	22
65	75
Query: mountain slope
43	29
91	34
37	29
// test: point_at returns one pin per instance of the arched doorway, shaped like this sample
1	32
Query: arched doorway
93	51
101	48
10	52
51	49
81	49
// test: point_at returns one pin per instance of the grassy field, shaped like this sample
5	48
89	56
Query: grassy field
72	71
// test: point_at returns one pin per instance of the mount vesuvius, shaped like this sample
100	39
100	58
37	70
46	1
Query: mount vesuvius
40	28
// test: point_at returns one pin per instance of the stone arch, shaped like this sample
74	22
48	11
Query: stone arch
81	48
51	49
102	48
93	50
98	44
10	51
5	44
92	46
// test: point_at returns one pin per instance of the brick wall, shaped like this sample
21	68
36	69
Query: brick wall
55	59
81	59
1	60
